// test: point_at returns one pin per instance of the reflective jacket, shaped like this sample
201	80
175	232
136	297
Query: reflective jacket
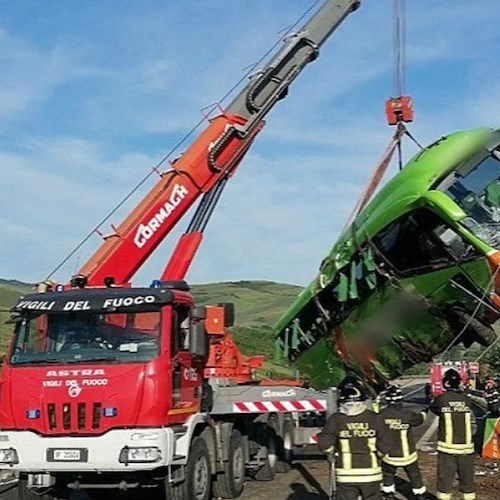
357	441
399	422
456	422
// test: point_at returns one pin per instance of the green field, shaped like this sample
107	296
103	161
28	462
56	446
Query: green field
258	304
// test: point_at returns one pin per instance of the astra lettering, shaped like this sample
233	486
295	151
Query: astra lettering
147	230
129	301
83	372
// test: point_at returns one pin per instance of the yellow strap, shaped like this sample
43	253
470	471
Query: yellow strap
448	428
372	446
405	446
345	449
468	428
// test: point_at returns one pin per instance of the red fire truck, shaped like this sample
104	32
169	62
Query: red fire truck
110	386
467	371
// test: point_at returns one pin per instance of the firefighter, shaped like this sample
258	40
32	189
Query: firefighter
399	423
455	438
354	435
493	401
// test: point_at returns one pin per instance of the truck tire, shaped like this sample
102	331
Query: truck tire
198	482
229	483
25	493
198	471
268	471
285	447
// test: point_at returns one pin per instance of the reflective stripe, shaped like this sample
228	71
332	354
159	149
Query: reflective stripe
455	449
405	446
345	449
362	472
401	461
362	478
389	489
468	428
448	429
372	446
443	496
419	491
469	496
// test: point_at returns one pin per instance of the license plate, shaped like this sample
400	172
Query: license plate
67	454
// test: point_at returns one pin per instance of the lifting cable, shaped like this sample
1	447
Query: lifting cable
399	110
207	112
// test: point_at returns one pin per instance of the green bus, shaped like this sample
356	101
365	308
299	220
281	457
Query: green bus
415	272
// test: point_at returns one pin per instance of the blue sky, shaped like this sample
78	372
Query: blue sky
94	93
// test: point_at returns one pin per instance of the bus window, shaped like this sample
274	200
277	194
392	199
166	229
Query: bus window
417	243
477	191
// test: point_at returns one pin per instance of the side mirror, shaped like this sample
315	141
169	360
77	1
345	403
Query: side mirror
228	313
198	341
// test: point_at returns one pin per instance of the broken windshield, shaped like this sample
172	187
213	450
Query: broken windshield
477	191
86	338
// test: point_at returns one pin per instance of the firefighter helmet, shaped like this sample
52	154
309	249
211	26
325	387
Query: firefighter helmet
451	379
351	392
393	394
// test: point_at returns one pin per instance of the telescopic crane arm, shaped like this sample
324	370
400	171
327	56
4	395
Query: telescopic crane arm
208	163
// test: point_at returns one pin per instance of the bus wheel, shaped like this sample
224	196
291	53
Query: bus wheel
229	483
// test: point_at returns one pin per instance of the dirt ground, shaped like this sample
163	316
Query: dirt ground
308	480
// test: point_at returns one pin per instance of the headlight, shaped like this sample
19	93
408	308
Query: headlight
8	456
140	454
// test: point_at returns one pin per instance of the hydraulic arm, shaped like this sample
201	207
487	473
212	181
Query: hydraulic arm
208	163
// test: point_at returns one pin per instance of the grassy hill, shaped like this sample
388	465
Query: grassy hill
258	304
10	290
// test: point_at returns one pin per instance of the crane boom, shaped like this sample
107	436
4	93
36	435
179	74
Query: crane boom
210	160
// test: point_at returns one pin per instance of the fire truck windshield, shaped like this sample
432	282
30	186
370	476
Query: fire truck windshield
86	337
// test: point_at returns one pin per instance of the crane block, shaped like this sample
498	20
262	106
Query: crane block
399	109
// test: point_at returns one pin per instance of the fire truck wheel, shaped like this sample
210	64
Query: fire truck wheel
269	449
25	493
198	471
229	483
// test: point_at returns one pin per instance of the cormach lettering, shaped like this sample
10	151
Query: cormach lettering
278	394
146	231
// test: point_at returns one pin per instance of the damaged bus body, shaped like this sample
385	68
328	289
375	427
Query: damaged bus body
418	267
